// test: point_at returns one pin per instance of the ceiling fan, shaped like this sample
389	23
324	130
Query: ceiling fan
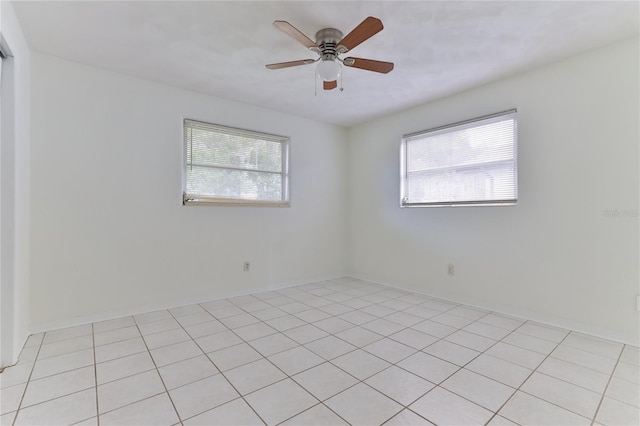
329	45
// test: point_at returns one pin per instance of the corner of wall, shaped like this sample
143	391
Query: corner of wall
15	187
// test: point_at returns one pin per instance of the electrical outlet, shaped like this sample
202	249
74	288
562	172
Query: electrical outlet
246	266
451	269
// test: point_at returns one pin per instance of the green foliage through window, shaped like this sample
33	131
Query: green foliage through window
231	165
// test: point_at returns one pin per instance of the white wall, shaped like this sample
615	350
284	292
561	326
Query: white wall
556	256
109	233
14	189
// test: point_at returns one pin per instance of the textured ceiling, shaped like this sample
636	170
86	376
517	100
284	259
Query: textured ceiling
220	48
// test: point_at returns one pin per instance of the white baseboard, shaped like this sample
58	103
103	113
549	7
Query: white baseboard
495	307
137	310
550	320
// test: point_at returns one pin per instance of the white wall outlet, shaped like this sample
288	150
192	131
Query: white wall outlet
246	266
451	269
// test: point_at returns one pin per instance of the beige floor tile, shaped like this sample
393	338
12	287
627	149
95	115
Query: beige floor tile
358	336
157	410
614	412
428	367
217	341
451	352
236	412
318	415
61	363
305	334
65	410
58	385
407	418
166	338
542	331
128	390
624	390
173	353
360	364
516	355
529	342
400	385
123	367
67	333
267	401
442	407
564	394
414	338
10	398
253	376
325	380
120	349
524	409
479	389
116	335
338	351
362	405
295	360
330	347
573	373
470	340
203	395
187	371
497	369
234	356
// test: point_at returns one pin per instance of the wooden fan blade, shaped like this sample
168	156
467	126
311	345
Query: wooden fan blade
367	28
292	31
369	65
289	64
329	85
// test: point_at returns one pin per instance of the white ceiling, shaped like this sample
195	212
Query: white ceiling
220	48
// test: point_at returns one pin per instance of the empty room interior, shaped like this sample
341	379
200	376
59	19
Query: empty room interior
319	213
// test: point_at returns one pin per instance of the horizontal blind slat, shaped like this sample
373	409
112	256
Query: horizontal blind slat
471	162
229	163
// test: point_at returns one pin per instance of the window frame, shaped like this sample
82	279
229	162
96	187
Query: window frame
404	177
200	199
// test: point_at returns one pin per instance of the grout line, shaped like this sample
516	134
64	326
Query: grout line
95	375
312	407
159	375
134	402
221	373
24	392
535	370
68	338
604	392
300	295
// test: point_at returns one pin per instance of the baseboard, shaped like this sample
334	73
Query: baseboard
88	319
495	307
550	320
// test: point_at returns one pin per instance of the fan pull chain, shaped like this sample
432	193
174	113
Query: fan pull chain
341	88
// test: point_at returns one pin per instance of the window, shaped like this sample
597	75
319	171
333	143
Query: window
233	166
468	163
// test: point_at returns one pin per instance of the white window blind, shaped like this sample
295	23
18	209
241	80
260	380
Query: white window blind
469	163
234	166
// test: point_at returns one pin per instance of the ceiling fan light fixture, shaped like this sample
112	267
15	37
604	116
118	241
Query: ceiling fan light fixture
329	44
328	70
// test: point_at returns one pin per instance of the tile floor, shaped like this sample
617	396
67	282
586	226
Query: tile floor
330	353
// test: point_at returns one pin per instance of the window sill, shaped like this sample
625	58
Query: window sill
492	203
189	200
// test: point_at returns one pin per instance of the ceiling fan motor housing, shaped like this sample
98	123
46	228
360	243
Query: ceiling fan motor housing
329	44
327	39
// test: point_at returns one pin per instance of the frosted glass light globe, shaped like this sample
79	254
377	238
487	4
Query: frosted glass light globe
328	70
